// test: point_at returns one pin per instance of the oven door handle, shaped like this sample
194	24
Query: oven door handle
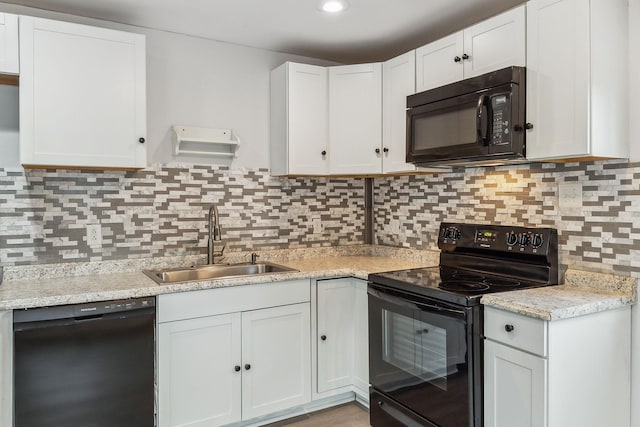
411	302
399	416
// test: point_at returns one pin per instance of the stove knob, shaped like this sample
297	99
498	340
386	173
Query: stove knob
536	240
455	234
512	239
523	239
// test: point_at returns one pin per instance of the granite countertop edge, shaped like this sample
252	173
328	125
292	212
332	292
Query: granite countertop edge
58	284
582	293
77	283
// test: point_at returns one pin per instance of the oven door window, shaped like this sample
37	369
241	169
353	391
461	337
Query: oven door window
419	356
416	347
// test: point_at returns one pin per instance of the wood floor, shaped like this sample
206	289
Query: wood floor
349	415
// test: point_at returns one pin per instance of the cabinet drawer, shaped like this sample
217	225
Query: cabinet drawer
211	302
515	330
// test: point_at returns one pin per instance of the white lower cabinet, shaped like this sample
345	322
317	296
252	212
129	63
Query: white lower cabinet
6	368
198	383
219	369
560	373
335	333
342	345
361	338
276	359
517	381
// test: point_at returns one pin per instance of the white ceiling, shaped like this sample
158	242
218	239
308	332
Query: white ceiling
369	30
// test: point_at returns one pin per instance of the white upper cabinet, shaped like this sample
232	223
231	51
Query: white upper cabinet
496	43
355	119
299	120
398	81
9	44
490	45
577	73
82	96
439	63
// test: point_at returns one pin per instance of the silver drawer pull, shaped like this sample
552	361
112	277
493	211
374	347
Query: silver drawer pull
508	328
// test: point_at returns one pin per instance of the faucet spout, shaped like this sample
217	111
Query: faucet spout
215	234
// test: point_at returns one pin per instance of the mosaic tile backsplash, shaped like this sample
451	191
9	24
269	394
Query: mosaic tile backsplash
163	212
603	234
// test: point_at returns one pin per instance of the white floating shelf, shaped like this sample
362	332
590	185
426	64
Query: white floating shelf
189	140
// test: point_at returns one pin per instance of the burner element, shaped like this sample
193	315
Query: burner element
501	282
468	277
462	286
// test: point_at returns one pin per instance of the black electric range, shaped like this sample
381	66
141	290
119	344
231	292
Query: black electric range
425	324
481	259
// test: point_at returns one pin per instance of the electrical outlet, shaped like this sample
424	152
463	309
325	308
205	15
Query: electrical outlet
94	235
570	195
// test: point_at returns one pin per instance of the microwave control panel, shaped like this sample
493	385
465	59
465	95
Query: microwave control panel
501	113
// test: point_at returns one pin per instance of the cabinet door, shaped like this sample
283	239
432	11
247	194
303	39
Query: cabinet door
8	43
82	95
355	119
197	379
361	337
495	43
299	120
557	78
436	63
398	81
308	119
336	299
276	359
514	387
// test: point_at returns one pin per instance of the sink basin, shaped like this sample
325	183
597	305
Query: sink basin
214	271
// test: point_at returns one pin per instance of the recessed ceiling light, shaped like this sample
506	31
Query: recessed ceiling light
333	6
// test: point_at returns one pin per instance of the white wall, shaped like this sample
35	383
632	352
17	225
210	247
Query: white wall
634	135
197	82
634	81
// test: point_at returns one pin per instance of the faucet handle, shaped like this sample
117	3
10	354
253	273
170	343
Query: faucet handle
254	257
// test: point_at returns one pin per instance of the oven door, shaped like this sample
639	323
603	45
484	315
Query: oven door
419	356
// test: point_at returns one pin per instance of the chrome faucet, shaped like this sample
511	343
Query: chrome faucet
215	234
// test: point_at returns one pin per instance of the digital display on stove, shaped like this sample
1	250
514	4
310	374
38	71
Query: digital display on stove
486	235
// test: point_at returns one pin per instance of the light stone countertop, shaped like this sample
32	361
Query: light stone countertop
75	283
48	285
583	293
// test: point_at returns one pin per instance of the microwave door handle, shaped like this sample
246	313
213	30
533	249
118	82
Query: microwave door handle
482	138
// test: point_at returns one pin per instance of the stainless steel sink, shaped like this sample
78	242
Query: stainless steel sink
214	271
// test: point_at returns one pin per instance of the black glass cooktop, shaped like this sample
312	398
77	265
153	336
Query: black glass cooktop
451	284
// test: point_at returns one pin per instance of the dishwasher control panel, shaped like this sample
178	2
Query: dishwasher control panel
80	311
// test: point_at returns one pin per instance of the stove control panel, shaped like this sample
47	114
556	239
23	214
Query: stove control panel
474	237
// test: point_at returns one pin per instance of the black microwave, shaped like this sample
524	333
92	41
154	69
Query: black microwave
476	121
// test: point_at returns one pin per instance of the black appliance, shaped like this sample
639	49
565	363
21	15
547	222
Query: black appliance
85	365
480	120
426	328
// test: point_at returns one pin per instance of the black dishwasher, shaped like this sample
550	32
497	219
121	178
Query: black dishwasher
89	365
